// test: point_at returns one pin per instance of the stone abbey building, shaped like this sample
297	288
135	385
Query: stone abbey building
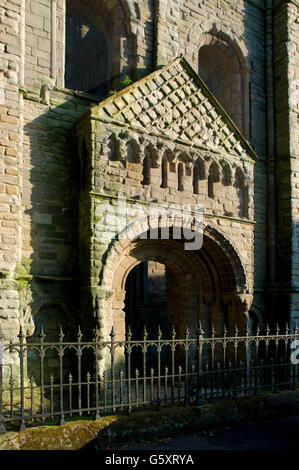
164	102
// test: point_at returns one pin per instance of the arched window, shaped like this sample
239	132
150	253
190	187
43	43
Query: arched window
242	192
94	34
226	175
164	170
198	174
220	68
180	177
212	178
87	53
146	170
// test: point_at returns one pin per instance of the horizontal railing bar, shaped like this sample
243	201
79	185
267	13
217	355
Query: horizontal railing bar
154	342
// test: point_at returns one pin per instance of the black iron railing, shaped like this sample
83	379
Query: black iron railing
50	380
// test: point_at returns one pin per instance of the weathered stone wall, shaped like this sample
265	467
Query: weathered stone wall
286	69
167	162
40	167
11	136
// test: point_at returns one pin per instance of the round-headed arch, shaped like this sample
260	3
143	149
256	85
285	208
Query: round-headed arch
216	267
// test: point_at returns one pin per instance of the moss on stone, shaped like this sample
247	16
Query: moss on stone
148	423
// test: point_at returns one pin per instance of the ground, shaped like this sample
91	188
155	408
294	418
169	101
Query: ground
275	434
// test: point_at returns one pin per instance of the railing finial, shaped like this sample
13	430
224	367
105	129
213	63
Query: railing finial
21	335
79	334
41	333
61	334
129	333
112	334
144	332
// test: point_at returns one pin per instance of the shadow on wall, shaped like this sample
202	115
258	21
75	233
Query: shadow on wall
255	63
50	244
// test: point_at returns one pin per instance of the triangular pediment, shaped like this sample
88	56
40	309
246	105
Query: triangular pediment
174	102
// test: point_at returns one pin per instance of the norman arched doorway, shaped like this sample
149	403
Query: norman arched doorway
207	285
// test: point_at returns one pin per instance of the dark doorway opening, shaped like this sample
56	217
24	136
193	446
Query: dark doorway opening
145	307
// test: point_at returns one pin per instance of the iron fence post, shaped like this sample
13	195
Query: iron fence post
96	354
112	365
187	333
199	341
159	367
42	355
2	427
144	349
129	350
61	335
173	334
21	355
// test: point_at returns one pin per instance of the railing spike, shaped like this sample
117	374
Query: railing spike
41	334
129	333
61	334
112	334
267	329
236	330
173	332
258	329
79	335
200	328
277	329
21	335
